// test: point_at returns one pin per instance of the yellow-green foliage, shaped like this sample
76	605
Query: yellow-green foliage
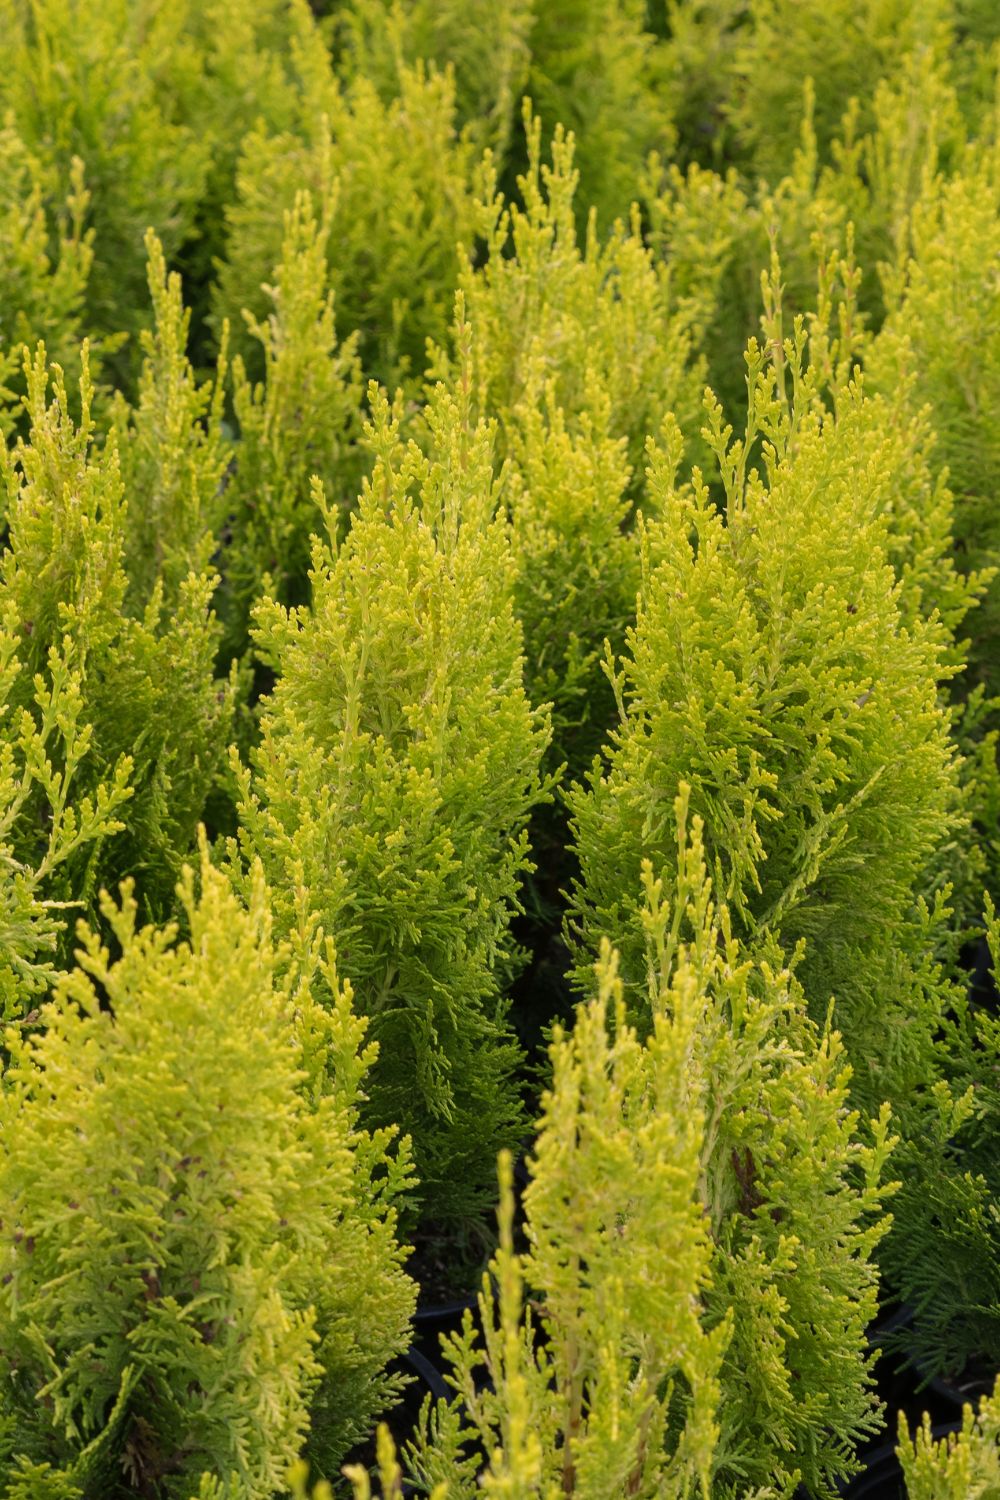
598	73
962	1466
943	334
589	317
577	349
392	182
44	266
81	83
172	452
845	48
302	420
485	42
154	101
44	821
397	767
145	671
586	1337
691	1306
197	1240
577	563
772	666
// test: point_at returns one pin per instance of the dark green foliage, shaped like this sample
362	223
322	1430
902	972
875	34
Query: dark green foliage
948	1263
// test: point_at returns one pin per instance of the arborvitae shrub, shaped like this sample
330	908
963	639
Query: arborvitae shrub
772	667
81	81
588	317
577	561
302	420
577	349
45	261
172	451
155	104
485	42
187	1204
394	184
713	231
391	789
146	670
44	822
692	1299
844	48
963	1465
943	334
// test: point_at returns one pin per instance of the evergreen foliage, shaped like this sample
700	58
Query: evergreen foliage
302	420
41	289
951	1200
397	767
577	350
363	503
45	823
487	43
943	334
145	674
960	1466
197	1238
772	667
683	1318
154	102
394	185
552	307
843	48
172	451
597	72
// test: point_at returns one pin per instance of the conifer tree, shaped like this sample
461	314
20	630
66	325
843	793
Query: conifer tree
551	305
301	421
145	669
946	1259
773	667
577	350
688	1314
843	48
77	74
487	43
599	73
198	1240
41	291
172	451
397	767
44	823
942	335
155	103
394	184
960	1466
